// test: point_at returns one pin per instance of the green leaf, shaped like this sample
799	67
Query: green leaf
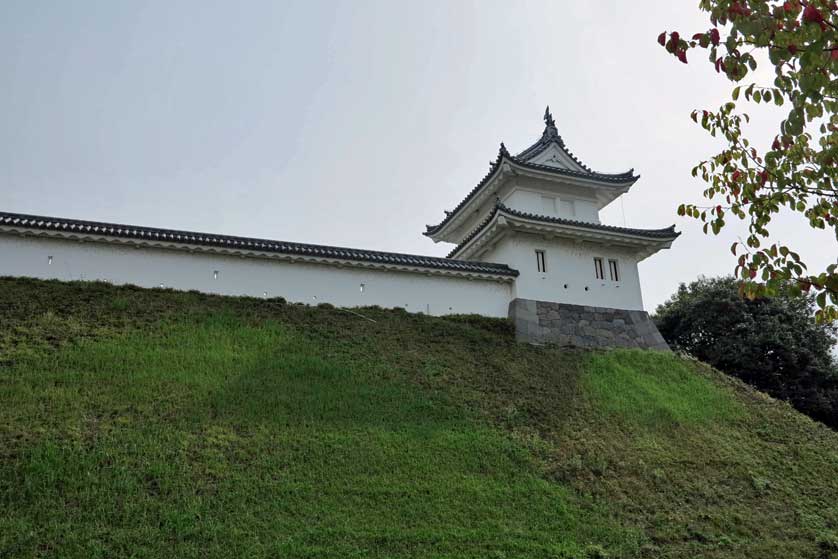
821	299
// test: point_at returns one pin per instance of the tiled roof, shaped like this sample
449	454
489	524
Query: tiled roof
613	178
551	136
522	160
42	223
663	234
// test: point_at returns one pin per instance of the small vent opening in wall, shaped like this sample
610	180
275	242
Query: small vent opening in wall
598	269
215	274
362	287
614	270
541	261
49	260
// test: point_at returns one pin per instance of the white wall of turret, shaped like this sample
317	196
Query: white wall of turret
551	204
570	273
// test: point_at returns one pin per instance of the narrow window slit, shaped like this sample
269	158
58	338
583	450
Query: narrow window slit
614	270
541	261
598	269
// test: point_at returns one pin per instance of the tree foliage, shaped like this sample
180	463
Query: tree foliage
795	171
770	343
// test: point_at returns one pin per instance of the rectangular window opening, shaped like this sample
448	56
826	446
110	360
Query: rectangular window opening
541	261
600	271
567	208
614	270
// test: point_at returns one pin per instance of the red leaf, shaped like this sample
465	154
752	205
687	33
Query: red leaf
738	9
698	36
812	15
662	38
714	36
682	56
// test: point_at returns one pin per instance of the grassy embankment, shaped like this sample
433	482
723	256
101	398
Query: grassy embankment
149	423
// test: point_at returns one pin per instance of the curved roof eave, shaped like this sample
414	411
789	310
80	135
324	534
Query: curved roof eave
627	178
666	234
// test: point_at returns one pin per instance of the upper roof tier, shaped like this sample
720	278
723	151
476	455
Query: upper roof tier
550	150
548	159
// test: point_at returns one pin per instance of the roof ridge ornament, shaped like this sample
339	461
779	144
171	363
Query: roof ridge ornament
550	130
548	117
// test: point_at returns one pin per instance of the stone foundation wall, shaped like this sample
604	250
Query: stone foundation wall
540	322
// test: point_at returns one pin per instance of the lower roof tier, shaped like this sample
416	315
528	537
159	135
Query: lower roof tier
503	218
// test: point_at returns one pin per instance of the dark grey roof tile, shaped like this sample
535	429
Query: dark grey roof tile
666	233
619	179
279	247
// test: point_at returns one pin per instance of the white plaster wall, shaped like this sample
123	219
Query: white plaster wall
525	194
551	203
296	282
571	264
525	201
586	211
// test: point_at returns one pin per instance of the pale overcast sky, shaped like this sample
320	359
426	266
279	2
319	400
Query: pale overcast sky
350	123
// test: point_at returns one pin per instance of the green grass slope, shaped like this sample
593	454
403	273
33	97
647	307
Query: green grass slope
151	423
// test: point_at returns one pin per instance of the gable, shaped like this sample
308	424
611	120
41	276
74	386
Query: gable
554	156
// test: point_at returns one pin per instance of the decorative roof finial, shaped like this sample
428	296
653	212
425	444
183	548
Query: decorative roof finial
503	150
548	118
